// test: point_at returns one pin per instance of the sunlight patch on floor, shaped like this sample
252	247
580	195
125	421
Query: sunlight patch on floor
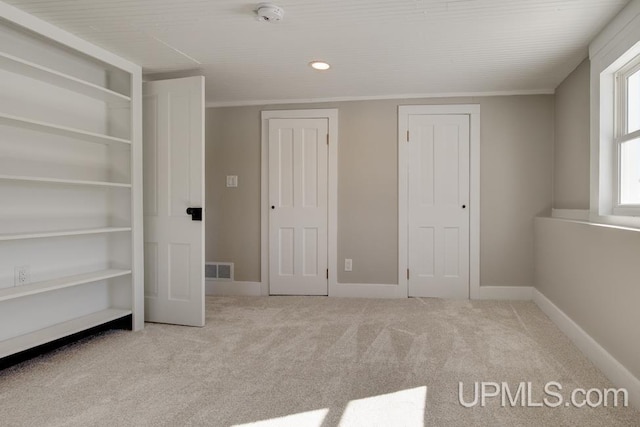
306	419
405	408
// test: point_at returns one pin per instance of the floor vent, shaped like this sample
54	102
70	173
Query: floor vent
219	271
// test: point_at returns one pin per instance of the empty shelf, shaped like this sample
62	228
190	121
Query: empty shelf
63	181
61	233
50	128
60	330
65	81
61	283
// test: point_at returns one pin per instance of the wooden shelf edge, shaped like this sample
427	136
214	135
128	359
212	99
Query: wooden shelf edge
60	330
37	125
63	181
60	283
48	75
62	233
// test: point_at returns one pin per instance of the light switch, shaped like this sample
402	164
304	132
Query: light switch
232	180
348	264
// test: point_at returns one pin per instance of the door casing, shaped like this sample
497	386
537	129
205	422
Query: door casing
473	111
332	191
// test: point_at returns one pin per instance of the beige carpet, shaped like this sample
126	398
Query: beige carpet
310	361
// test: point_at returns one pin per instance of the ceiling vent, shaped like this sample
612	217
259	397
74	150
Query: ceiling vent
269	12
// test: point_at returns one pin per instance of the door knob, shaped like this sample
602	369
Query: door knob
273	207
196	214
464	206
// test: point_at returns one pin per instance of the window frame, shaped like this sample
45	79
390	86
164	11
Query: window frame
616	45
622	135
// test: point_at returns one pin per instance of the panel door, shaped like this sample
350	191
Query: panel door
173	115
298	152
438	235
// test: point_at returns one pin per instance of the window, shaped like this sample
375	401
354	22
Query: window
615	121
627	136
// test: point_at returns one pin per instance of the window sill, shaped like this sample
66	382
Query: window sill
627	212
584	216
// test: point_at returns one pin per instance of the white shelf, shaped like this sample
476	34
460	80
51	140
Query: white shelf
39	126
63	181
60	330
61	283
47	75
61	233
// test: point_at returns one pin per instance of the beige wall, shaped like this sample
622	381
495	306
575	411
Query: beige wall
516	150
233	214
591	273
571	151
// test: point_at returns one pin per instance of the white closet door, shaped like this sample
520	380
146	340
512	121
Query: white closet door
173	182
438	153
298	206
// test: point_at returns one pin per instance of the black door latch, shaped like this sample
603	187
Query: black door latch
196	214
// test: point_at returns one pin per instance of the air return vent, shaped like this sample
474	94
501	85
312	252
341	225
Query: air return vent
219	271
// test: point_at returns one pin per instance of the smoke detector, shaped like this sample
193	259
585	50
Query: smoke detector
269	12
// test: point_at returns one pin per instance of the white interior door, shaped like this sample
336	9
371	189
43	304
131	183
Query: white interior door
438	199
298	206
173	112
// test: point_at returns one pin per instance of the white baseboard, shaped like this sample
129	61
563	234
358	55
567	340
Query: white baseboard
217	287
364	290
612	369
516	293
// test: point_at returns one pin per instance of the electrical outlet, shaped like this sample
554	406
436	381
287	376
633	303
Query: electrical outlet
232	181
348	264
21	275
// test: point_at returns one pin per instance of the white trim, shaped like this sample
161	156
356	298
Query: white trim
593	224
332	182
599	356
215	287
627	137
621	221
575	214
379	97
618	24
137	191
366	290
473	110
513	293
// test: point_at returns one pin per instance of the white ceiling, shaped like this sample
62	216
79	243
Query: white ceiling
378	48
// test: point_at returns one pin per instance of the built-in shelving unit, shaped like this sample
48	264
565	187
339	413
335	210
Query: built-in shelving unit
71	213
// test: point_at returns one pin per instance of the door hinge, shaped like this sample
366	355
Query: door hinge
327	273
327	139
407	136
407	274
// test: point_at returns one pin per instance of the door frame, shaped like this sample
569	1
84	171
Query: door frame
332	191
473	111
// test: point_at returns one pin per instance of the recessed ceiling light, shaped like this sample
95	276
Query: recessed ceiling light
319	65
